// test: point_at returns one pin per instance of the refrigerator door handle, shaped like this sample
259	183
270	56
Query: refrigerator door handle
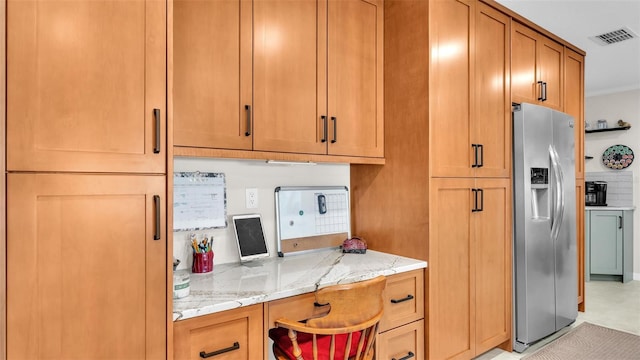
558	194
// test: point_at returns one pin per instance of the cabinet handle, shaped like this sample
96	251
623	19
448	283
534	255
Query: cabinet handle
396	301
475	200
408	356
481	148
481	199
205	355
325	127
335	129
156	203
540	96
620	226
248	110
156	116
475	155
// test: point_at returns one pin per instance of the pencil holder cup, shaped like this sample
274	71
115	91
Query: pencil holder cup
202	262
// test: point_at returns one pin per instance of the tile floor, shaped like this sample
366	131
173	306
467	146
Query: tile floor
608	303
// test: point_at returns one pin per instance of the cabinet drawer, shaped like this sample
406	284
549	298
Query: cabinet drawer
405	342
404	299
233	335
300	307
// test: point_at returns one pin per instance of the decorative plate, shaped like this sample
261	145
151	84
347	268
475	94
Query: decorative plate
617	157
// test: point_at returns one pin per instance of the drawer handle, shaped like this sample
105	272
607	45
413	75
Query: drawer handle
205	355
409	356
395	301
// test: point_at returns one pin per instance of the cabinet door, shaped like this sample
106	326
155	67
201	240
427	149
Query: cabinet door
492	248
85	277
355	78
574	102
290	86
234	335
451	330
606	242
451	153
83	80
523	64
492	115
212	75
550	70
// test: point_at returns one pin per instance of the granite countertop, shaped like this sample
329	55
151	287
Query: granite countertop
611	208
234	285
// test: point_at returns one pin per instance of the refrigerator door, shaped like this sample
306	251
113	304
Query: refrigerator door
565	243
534	250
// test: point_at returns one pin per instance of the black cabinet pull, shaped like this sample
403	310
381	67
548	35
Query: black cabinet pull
156	116
620	217
335	129
325	126
205	355
481	192
475	155
408	356
475	200
540	98
156	203
396	301
544	91
481	148
247	108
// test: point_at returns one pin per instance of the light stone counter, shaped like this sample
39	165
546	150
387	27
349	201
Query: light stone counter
610	208
234	285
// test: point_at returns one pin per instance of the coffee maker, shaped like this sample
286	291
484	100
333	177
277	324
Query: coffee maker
595	193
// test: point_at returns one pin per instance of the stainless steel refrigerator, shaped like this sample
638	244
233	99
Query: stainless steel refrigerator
545	263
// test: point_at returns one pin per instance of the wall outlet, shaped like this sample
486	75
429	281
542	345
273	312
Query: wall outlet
251	198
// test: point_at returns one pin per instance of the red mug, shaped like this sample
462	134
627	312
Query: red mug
202	262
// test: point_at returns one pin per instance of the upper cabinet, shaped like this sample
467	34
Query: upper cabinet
310	84
318	77
212	74
86	86
536	68
470	117
574	102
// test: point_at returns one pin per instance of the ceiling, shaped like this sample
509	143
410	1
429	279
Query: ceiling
608	69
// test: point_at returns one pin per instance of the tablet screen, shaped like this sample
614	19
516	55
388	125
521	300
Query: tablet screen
250	237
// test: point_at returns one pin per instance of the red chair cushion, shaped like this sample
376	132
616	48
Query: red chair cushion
280	337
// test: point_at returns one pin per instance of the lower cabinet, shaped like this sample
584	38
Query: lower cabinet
229	335
609	243
469	275
86	265
403	343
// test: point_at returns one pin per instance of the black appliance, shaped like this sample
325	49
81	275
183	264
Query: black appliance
595	193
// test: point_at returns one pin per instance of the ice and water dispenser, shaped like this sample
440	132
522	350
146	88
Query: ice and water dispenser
540	193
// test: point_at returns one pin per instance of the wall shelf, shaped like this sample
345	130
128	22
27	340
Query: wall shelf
588	157
608	129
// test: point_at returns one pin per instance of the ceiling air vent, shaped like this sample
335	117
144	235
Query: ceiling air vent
614	36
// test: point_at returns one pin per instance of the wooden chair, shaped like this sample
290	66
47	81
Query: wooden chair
347	331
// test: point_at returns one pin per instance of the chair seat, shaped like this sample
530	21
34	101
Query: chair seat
281	340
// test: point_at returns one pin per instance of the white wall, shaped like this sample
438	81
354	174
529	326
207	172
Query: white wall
242	174
612	107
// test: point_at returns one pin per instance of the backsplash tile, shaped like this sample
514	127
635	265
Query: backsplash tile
619	186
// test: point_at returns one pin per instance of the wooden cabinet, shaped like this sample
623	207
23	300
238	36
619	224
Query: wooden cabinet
444	97
473	315
317	90
212	73
574	103
86	86
277	76
86	277
232	335
471	116
536	68
402	324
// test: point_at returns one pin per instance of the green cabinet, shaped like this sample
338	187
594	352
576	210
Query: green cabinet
609	244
